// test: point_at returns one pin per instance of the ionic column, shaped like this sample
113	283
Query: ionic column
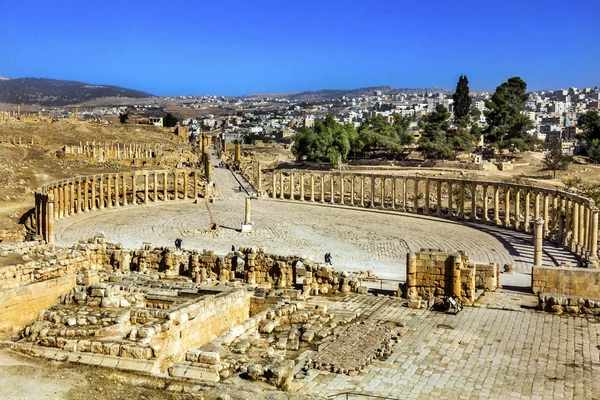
497	205
427	193
124	190
584	230
517	210
538	237
312	187
146	188
332	198
175	185
507	207
568	228
545	217
155	186
50	219
461	201
352	189
438	203
555	214
302	186
274	194
65	199
101	192
593	260
416	196
62	190
93	198
362	191
57	197
527	213
588	231
372	191
281	185
79	196
536	206
109	203
86	195
166	186
486	218
473	216
196	185
117	184
72	198
322	188
575	236
292	186
185	185
134	189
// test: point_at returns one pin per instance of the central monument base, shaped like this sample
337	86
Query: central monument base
246	228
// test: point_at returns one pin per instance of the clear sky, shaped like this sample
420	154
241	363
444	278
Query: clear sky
236	47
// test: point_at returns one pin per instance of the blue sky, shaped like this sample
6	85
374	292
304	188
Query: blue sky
242	47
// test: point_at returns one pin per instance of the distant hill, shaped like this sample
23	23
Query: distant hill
330	94
51	92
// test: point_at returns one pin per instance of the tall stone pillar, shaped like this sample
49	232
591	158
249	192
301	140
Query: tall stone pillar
175	185
109	203
166	186
575	236
302	186
50	219
394	193
86	195
281	196
456	281
62	201
438	203
372	191
274	194
58	202
185	185
568	228
101	192
593	260
404	194
536	205
134	189
461	202
497	205
341	189
352	195
71	198
322	188
383	192
416	197
538	236
527	212
196	185
117	185
554	214
486	209
473	216
507	207
292	186
93	197
146	188
247	214
517	220
450	205
312	187
545	215
332	198
124	189
362	190
426	209
155	185
65	199
584	230
588	230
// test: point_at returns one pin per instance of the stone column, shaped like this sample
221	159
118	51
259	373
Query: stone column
109	203
383	192
538	236
175	185
536	206
461	202
196	185
274	194
411	274
38	215
545	215
124	189
166	186
93	197
593	261
117	184
583	230
404	194
507	207
473	216
63	200
332	198
588	230
456	281
72	198
394	192
497	205
312	187
185	185
59	196
292	186
281	191
362	191
450	205
427	194
101	192
50	219
322	188
247	214
86	195
575	236
146	188
342	189
416	197
353	178
372	191
568	228
438	203
527	213
517	220
134	189
554	214
486	218
302	186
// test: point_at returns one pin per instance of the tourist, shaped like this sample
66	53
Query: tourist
328	258
233	248
178	243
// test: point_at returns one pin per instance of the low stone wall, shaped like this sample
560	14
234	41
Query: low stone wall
487	276
19	307
566	281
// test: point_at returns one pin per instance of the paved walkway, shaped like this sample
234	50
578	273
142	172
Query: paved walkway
358	239
479	353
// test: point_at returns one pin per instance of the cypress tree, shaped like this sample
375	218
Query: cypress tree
462	100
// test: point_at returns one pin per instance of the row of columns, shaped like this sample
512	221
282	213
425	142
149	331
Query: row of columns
84	194
568	220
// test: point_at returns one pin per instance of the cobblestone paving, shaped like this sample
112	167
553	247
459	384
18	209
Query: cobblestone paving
357	239
479	353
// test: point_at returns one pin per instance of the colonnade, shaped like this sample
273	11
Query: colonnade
61	199
569	220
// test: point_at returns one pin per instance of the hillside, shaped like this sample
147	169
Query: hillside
51	92
330	94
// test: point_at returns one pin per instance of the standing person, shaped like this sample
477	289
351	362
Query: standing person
233	248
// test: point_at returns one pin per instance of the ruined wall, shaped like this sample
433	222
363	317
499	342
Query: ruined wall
20	306
581	282
487	276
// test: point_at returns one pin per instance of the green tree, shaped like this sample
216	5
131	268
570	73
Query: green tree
170	121
374	135
556	160
434	139
462	101
123	117
593	150
507	125
329	141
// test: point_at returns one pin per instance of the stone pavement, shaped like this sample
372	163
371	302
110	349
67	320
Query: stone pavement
479	353
358	239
